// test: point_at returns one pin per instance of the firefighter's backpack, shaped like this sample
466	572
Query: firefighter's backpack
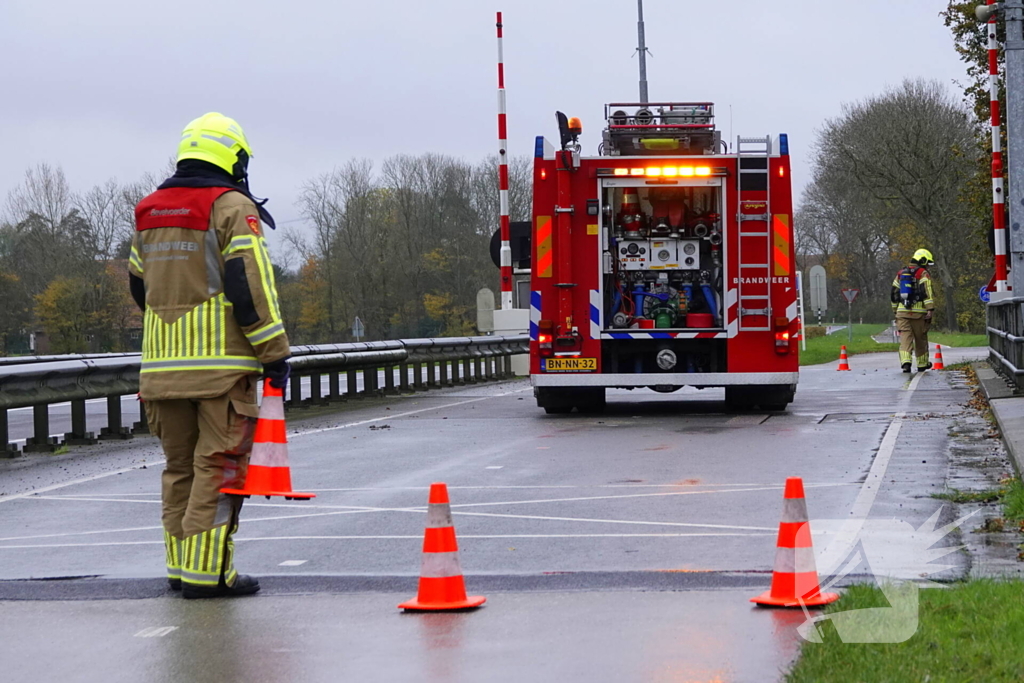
909	291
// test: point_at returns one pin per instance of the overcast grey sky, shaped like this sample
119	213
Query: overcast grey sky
104	87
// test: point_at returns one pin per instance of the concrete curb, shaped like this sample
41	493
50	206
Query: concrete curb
1008	411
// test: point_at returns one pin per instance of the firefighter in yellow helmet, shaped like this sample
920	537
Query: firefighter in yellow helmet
200	271
913	303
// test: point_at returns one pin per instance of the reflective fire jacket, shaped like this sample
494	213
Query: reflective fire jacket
206	285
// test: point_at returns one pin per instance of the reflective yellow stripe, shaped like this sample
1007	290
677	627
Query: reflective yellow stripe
265	334
267	276
170	364
238	243
135	260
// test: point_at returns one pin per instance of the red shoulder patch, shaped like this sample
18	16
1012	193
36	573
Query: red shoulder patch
254	224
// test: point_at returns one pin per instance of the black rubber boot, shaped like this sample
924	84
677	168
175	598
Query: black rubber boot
244	585
175	584
906	367
925	368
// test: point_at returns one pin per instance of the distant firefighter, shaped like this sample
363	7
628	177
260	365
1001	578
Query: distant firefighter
200	271
913	303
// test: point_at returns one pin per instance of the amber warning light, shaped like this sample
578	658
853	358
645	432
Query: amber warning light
663	172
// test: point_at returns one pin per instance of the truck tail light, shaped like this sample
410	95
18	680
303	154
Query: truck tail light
545	337
782	335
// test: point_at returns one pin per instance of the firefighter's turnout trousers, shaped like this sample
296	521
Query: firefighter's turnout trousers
913	338
207	443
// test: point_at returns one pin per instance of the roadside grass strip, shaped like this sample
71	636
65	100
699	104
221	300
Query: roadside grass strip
969	632
958	340
826	349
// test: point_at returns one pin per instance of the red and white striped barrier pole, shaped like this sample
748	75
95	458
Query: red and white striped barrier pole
998	210
506	246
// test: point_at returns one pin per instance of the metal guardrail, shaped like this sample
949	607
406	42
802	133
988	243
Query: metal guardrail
407	364
1006	338
23	360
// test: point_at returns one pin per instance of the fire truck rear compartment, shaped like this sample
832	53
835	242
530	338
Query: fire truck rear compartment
663	265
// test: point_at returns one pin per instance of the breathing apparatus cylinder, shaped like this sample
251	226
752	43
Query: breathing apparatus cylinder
638	300
709	296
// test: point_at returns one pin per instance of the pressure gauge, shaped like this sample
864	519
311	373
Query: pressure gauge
633	248
689	248
663	255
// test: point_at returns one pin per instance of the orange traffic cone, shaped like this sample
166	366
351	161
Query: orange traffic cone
937	365
268	473
795	577
844	362
441	584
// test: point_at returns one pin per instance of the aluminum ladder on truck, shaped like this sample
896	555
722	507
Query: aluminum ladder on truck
754	217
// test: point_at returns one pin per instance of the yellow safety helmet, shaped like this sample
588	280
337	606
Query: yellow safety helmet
923	257
218	140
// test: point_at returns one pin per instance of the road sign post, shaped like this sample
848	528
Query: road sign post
851	296
818	290
358	330
803	310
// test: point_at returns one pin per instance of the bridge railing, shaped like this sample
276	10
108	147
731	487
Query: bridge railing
1006	338
350	371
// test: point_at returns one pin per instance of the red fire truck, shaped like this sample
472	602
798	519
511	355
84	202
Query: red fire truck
665	261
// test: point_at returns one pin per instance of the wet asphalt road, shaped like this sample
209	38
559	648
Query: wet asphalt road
596	538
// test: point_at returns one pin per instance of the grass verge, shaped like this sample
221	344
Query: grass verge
959	339
970	632
826	349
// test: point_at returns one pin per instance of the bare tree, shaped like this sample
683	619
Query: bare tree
909	153
46	193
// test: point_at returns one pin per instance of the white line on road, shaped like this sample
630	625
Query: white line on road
836	551
460	506
360	423
292	563
618	521
156	631
84	480
417	537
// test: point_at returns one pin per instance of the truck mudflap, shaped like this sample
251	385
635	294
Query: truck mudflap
664	379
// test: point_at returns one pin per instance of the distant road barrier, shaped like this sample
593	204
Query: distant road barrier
406	365
1006	338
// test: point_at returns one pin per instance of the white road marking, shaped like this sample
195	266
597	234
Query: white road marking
82	499
494	467
353	509
294	435
81	533
405	414
556	486
417	537
83	480
619	521
835	552
156	631
292	563
631	495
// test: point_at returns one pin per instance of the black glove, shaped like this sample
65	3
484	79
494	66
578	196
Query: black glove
278	373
